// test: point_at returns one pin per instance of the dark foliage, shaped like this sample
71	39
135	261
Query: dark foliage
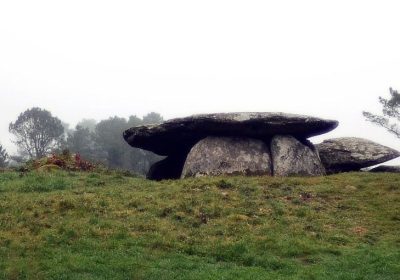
152	118
108	137
3	157
104	143
81	141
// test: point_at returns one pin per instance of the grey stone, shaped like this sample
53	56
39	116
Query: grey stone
292	157
386	168
172	136
351	154
214	156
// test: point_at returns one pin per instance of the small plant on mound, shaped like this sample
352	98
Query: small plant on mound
64	161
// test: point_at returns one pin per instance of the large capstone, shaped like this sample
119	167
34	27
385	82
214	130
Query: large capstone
173	136
352	154
214	156
293	157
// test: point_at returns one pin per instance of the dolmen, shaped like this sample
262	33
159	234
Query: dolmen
250	144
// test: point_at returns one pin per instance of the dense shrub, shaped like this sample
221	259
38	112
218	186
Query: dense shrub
64	161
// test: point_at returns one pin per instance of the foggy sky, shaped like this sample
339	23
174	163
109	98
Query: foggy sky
95	59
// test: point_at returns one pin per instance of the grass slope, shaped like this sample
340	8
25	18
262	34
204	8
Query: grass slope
64	225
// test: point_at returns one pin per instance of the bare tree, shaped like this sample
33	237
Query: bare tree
390	117
37	132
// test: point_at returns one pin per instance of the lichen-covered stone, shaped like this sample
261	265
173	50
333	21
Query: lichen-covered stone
214	156
351	154
173	136
292	157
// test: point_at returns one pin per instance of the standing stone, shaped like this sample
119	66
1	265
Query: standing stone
228	155
291	157
351	154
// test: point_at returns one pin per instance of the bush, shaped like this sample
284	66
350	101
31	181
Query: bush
64	161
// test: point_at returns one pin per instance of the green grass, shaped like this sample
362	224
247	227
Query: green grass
63	225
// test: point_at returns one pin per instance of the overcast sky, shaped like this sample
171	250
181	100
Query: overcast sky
95	59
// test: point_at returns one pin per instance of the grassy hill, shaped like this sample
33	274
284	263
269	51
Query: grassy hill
64	225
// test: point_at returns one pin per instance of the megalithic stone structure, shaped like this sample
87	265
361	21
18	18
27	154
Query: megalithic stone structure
230	143
258	143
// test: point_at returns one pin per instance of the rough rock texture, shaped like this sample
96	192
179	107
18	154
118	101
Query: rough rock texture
292	157
225	155
174	135
352	154
386	168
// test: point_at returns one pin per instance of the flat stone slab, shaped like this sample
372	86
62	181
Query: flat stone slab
386	168
351	154
175	135
290	157
215	156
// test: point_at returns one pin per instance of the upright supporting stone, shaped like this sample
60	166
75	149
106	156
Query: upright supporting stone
228	155
291	157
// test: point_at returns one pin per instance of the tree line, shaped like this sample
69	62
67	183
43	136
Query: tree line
38	133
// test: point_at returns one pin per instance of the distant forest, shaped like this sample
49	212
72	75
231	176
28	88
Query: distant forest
37	133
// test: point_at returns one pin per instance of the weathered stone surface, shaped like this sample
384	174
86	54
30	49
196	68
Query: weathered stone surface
214	156
292	157
174	135
386	168
352	154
